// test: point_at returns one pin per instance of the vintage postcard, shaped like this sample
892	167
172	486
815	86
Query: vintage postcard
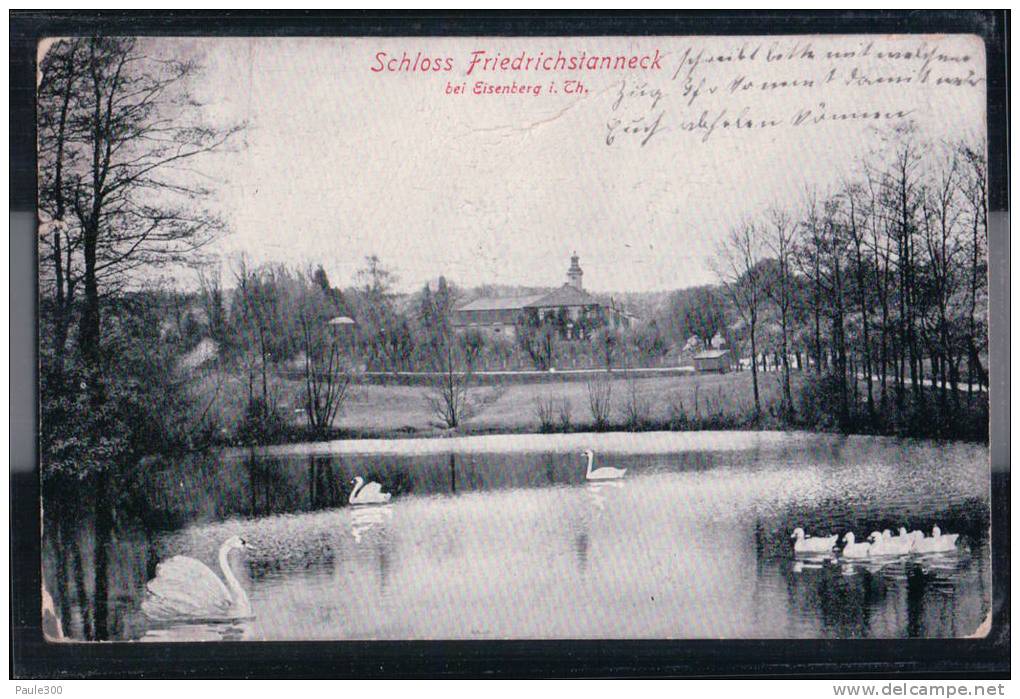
513	338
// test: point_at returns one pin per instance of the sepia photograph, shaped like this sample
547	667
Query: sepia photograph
513	338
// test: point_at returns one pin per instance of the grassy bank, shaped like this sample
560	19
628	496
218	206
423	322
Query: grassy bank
700	401
664	402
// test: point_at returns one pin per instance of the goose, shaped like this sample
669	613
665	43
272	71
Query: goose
367	493
885	544
854	550
601	474
936	543
902	541
812	544
186	589
914	535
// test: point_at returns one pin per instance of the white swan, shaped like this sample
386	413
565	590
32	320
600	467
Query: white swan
812	544
185	588
854	550
367	493
52	629
601	474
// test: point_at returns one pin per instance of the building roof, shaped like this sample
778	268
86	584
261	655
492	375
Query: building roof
499	304
712	354
566	295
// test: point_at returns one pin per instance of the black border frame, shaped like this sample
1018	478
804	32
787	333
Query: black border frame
32	657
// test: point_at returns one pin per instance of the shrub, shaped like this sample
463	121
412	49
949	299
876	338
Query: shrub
600	394
636	408
819	401
261	422
563	413
678	417
545	409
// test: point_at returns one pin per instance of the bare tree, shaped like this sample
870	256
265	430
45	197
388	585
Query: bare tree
975	189
60	78
256	321
881	250
854	197
327	374
809	261
780	239
124	127
451	361
833	282
945	259
902	190
448	394
738	265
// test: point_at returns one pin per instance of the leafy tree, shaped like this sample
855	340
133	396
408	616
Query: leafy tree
537	337
608	342
651	342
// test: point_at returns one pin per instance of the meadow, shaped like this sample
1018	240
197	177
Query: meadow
694	401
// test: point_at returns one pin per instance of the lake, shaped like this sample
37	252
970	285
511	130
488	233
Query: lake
502	537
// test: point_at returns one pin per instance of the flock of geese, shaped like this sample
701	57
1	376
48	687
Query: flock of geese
185	589
879	544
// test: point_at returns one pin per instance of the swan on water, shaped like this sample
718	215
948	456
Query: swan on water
367	493
854	550
185	588
52	629
812	544
601	474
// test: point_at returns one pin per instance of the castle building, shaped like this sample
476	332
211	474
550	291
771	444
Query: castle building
570	308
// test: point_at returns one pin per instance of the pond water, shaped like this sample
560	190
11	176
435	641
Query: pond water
502	537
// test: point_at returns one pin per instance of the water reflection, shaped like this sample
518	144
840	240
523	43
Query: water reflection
225	631
689	545
598	492
364	518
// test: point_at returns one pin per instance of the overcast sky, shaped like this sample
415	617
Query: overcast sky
339	162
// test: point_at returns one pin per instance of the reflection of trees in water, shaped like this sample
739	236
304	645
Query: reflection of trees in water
95	571
582	545
931	604
842	603
880	598
383	554
323	483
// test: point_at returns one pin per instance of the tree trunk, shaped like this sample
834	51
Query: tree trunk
103	534
754	368
88	333
787	392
